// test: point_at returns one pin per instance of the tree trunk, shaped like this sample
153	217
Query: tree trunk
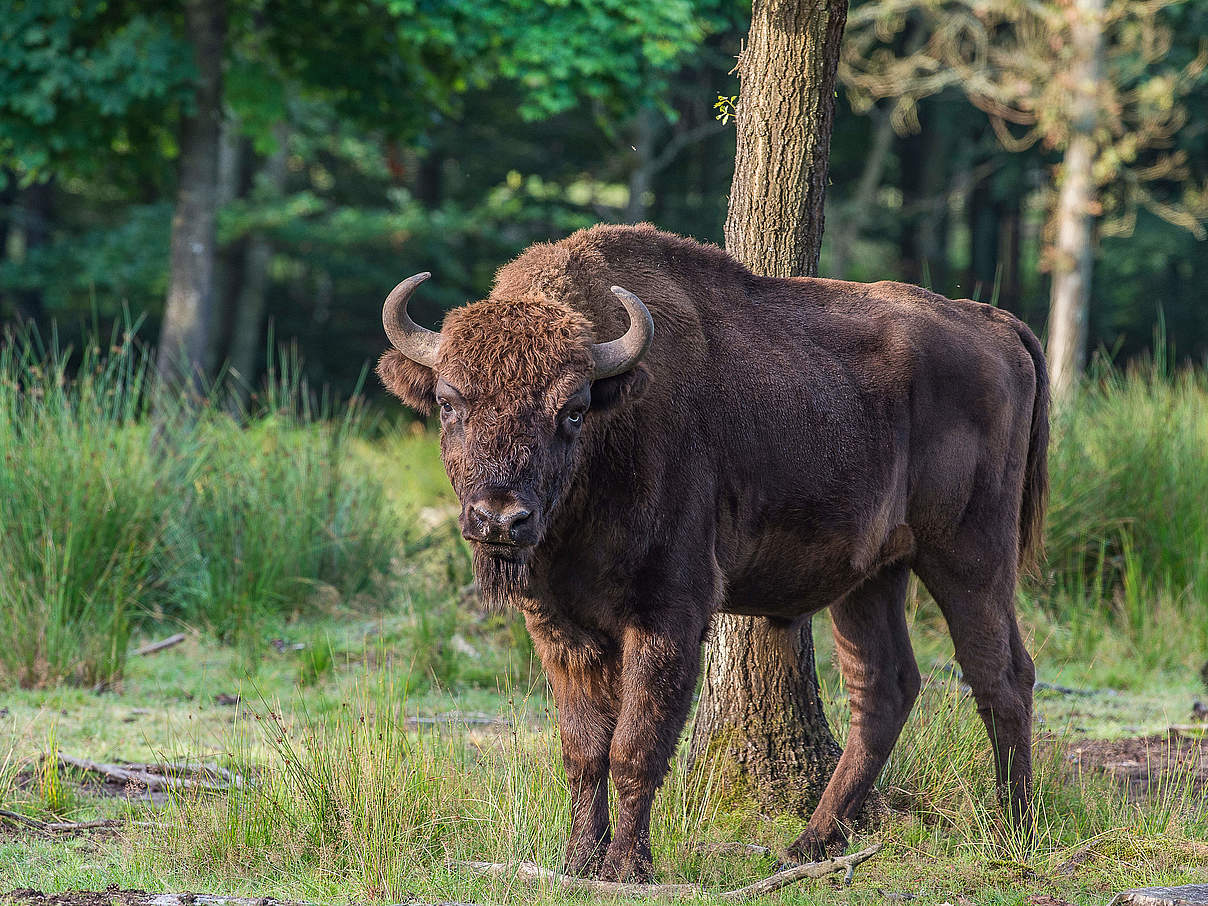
189	315
1010	233
984	220
645	129
759	713
785	113
1073	258
843	237
30	218
233	151
247	336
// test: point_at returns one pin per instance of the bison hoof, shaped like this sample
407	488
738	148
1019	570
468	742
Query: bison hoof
813	846
626	865
584	860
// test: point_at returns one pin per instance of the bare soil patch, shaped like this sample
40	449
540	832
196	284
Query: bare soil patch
1148	766
115	896
112	896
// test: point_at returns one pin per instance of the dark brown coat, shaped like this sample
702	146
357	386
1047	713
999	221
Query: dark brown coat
784	446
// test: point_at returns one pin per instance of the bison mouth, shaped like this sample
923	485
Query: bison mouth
502	550
502	571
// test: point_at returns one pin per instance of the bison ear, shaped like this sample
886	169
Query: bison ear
411	382
612	391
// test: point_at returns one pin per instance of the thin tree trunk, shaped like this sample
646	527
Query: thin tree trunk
247	338
984	216
645	129
1010	246
29	229
228	262
1073	258
189	315
843	237
759	713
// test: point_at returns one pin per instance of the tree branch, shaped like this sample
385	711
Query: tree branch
530	871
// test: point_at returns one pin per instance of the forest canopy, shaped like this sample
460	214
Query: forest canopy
362	142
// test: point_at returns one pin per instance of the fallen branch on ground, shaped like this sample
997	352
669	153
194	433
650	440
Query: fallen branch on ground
142	775
55	827
208	769
530	871
153	647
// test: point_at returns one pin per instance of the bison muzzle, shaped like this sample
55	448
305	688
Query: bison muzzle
643	433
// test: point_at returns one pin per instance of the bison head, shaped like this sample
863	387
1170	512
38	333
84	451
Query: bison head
516	383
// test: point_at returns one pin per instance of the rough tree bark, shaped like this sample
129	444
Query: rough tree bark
759	712
189	315
1073	257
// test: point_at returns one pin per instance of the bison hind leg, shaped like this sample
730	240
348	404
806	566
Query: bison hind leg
873	647
975	590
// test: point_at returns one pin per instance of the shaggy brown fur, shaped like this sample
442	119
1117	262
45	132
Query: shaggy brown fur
785	446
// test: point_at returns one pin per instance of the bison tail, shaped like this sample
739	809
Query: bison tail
1036	475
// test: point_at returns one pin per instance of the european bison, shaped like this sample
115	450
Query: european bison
745	444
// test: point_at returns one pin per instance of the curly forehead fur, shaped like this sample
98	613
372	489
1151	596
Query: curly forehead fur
500	345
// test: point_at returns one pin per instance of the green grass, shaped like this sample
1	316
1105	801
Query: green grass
1127	529
289	523
350	802
226	524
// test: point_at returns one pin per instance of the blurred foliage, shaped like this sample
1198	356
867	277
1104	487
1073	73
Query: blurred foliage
448	136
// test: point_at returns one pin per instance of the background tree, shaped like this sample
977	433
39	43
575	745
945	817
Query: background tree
759	713
449	136
1081	77
189	313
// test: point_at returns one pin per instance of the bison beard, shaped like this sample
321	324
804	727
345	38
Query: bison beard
502	581
782	447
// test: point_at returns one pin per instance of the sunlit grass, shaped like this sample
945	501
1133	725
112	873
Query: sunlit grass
357	801
1127	527
218	522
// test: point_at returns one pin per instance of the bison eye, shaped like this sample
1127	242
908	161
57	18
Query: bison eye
574	419
446	407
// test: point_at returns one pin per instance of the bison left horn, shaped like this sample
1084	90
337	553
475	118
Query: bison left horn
622	354
417	343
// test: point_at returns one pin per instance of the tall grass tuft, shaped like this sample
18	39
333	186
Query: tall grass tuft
81	511
1127	530
224	523
275	508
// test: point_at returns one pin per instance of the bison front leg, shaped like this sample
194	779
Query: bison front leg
658	674
586	695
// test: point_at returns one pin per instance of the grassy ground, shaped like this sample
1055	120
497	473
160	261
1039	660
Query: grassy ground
354	802
320	625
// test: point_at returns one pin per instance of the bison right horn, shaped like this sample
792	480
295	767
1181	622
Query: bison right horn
623	354
417	343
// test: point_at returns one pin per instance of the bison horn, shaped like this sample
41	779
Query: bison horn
622	354
417	343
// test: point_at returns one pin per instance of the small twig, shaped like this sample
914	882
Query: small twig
458	719
138	898
530	871
153	647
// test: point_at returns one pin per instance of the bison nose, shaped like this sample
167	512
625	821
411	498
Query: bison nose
497	520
